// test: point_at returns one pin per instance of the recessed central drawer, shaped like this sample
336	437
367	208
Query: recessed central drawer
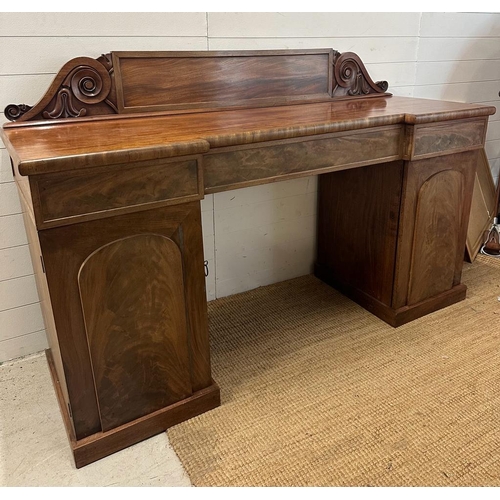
240	166
103	191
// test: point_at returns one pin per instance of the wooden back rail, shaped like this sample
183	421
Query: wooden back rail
145	82
111	165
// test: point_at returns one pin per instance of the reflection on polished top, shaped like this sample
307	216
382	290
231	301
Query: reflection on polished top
94	141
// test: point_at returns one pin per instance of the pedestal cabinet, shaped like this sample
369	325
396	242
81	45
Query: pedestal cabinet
124	300
128	294
391	236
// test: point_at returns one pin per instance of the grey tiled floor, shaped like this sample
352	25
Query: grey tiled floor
34	450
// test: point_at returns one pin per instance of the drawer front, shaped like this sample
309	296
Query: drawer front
99	192
448	137
257	164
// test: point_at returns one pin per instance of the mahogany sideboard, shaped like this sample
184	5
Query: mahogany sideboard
112	163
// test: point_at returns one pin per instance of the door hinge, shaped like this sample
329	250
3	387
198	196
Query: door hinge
43	264
206	268
69	411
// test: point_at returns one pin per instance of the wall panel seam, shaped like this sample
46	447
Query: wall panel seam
455	60
312	37
16	278
103	36
22	305
22	335
18	307
453	83
13	246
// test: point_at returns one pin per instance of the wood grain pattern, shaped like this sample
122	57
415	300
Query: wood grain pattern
153	81
411	239
423	274
125	271
61	196
135	319
44	297
448	138
189	239
64	407
66	248
24	188
128	82
436	235
250	166
358	215
102	444
39	147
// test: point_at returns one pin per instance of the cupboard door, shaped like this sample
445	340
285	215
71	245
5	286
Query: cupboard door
433	226
128	295
132	294
436	235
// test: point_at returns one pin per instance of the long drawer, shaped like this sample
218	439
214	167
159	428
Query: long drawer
63	198
233	167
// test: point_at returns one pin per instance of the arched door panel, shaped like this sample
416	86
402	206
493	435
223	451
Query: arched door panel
135	319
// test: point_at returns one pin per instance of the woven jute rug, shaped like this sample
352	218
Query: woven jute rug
317	391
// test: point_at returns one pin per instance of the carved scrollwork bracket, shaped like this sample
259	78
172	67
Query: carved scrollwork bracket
85	84
82	87
350	77
15	111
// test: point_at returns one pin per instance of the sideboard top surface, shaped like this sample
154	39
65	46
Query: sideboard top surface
43	146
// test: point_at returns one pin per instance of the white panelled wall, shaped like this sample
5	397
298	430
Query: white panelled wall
459	60
253	236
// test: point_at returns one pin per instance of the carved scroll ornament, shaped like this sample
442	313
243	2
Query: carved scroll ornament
82	87
15	111
350	77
